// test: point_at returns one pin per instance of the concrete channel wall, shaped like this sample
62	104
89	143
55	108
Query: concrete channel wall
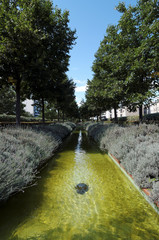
144	192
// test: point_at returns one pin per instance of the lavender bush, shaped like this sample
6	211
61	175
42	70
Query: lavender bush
23	150
137	147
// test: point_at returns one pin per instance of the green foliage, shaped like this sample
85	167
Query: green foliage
35	40
154	117
23	151
65	99
50	111
126	63
137	148
120	120
105	90
86	110
8	101
121	7
95	102
12	118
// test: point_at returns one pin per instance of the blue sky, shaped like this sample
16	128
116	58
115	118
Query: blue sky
90	18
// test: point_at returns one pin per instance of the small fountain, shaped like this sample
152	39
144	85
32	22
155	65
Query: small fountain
81	188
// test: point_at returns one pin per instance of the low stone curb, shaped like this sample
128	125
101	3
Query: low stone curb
144	192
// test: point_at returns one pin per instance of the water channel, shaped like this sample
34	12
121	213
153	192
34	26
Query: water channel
111	209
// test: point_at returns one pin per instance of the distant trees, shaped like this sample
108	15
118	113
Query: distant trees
35	40
65	99
8	101
125	67
85	110
61	104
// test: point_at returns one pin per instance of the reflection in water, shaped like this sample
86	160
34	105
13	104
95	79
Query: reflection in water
111	209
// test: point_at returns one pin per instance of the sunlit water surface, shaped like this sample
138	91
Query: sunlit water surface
111	209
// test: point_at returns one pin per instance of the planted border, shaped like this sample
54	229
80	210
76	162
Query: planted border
136	147
23	150
144	192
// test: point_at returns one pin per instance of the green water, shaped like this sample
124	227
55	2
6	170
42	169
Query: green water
111	209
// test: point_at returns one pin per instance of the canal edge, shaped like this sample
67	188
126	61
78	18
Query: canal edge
144	192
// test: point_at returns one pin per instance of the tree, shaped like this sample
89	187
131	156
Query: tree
34	44
65	97
84	111
138	39
8	101
73	111
125	67
15	41
50	111
50	66
108	79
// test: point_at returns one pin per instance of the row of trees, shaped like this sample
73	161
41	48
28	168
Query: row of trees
62	106
126	63
35	40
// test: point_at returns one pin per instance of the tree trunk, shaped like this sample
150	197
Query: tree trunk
18	102
63	116
115	114
100	116
140	113
43	110
58	114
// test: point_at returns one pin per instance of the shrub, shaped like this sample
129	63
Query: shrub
23	150
153	117
155	194
137	148
12	118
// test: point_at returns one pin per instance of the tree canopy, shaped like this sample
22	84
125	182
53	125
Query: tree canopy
126	63
35	40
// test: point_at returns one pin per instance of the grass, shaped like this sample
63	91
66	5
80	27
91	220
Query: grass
23	150
137	148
